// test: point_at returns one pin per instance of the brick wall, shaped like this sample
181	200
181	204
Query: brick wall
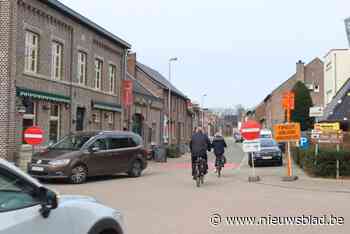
312	73
8	16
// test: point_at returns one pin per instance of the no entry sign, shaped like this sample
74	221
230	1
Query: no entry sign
250	130
34	136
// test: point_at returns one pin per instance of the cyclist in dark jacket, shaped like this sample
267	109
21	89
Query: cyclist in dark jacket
199	146
219	146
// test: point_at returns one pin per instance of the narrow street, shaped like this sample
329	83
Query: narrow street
165	199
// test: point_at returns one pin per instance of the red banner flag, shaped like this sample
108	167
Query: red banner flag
127	92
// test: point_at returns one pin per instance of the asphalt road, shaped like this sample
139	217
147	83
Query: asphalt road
165	199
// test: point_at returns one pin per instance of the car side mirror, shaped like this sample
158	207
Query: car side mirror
94	149
49	201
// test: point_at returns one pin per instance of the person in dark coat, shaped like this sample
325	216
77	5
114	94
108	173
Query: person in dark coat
219	146
199	146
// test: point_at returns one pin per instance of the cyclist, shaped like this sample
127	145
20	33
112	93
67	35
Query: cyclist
199	146
219	146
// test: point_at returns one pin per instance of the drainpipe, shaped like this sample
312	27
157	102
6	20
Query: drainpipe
71	80
335	74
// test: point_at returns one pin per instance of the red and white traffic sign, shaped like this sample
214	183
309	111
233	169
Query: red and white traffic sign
34	136
250	130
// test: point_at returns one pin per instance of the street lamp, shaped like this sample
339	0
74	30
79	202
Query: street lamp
203	96
174	59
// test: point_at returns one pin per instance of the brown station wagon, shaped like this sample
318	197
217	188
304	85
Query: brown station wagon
78	156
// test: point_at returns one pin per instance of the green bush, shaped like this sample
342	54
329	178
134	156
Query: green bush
324	164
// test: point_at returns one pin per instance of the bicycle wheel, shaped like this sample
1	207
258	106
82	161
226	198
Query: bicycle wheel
198	181
218	168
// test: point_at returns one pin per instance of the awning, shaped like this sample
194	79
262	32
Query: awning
107	106
42	95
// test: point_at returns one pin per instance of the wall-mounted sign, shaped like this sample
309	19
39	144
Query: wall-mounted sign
316	111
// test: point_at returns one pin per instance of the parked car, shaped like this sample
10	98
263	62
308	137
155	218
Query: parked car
266	133
78	156
238	137
28	207
269	154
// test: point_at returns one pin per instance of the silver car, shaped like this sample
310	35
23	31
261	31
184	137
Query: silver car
28	207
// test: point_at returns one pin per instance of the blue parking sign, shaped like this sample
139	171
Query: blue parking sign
304	143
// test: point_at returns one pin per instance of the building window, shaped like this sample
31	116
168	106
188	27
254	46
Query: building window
57	60
110	118
54	127
82	67
29	117
98	74
112	78
31	52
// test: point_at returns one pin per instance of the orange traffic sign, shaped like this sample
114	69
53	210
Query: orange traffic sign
288	100
287	132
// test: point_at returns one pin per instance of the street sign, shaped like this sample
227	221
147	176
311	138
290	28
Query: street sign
250	130
288	100
304	143
34	136
327	127
331	138
251	146
316	111
287	132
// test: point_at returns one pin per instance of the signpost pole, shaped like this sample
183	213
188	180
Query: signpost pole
337	173
288	151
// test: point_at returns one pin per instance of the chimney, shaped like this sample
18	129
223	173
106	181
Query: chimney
132	64
300	71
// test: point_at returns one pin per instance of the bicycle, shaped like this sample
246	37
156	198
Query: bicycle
220	163
199	172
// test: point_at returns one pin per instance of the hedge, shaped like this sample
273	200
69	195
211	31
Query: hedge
324	164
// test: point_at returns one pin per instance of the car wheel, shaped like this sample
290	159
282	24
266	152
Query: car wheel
136	169
78	175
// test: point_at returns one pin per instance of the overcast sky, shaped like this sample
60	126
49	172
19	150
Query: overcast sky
234	51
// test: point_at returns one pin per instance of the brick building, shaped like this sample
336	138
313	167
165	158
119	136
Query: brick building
181	117
60	71
270	111
144	116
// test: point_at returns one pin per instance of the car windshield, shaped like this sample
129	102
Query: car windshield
268	143
71	142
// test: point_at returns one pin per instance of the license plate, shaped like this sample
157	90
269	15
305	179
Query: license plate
267	157
37	169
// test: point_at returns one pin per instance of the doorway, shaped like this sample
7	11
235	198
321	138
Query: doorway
80	119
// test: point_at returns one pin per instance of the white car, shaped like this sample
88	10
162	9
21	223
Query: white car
27	207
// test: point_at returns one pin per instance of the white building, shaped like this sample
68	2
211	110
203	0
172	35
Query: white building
336	72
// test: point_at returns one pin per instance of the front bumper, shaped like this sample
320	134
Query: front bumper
47	171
